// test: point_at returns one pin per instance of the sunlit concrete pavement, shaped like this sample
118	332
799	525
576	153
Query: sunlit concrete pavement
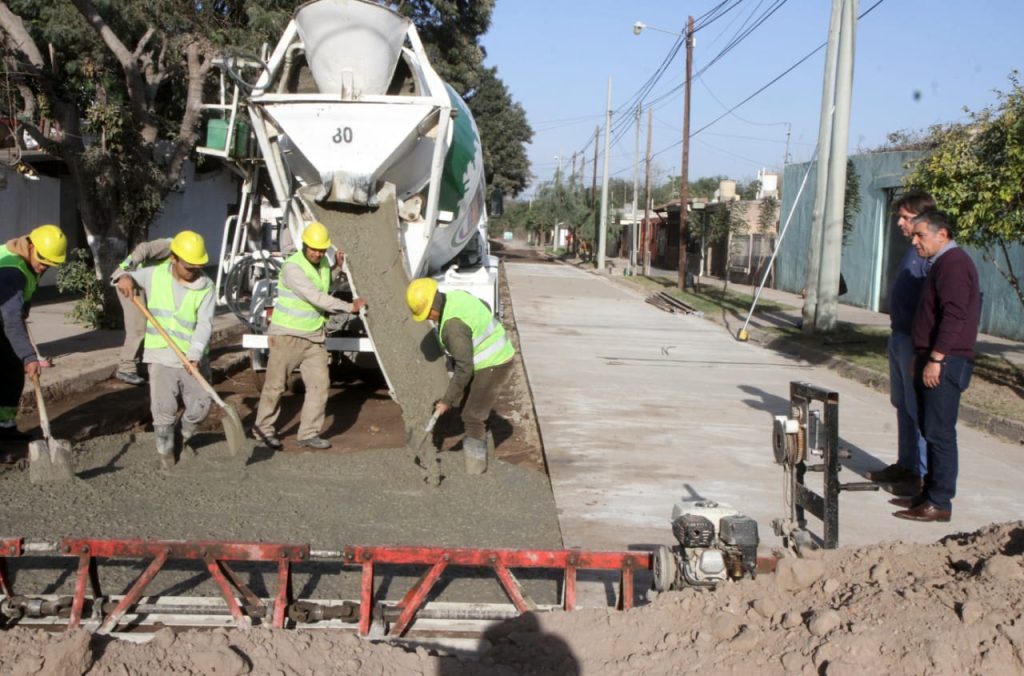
639	408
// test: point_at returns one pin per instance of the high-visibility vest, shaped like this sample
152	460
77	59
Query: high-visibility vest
293	312
9	259
179	321
491	346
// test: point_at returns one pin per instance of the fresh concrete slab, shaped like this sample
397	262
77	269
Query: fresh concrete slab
639	408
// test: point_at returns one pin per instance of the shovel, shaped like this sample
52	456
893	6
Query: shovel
230	420
430	462
49	458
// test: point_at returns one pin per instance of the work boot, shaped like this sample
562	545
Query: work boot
130	378
188	433
269	440
475	451
315	442
164	445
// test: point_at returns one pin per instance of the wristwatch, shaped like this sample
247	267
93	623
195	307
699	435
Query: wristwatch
936	361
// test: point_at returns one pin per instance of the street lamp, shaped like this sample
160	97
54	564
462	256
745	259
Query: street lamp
684	170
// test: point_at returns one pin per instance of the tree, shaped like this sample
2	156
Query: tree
450	30
727	222
130	75
504	133
768	216
976	173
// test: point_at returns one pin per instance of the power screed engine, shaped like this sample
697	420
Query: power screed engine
716	543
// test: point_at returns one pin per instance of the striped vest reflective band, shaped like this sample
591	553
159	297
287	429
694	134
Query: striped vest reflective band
491	346
179	322
293	312
9	259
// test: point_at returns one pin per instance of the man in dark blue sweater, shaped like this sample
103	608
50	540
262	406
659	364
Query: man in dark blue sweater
944	332
911	465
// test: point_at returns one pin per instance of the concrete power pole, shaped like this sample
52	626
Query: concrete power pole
646	247
634	239
684	171
810	309
829	243
603	230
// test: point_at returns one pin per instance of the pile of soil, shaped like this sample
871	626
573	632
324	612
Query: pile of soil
952	607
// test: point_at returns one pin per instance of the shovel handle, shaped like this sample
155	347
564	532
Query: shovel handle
194	372
44	419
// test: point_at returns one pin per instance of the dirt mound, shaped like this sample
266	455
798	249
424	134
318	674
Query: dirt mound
952	607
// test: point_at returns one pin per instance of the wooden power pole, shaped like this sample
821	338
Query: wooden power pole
684	171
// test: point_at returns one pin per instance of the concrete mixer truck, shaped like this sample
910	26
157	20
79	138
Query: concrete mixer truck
345	122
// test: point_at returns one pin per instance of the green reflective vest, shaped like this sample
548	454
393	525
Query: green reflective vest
178	321
9	259
491	347
296	313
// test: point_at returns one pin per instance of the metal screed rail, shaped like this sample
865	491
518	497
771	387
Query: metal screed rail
245	607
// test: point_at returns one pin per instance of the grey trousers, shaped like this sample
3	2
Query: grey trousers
169	383
483	392
134	333
286	354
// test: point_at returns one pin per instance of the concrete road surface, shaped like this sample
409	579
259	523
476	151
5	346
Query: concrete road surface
639	408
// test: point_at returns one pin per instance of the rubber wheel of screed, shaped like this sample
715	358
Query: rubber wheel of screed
665	569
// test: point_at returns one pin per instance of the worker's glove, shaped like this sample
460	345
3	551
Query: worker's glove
357	305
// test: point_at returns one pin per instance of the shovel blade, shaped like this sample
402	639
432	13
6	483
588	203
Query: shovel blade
49	461
233	431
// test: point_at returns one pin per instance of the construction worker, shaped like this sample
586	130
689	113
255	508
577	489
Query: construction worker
476	341
180	297
144	255
23	261
296	338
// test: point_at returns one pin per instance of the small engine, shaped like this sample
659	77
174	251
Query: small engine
716	543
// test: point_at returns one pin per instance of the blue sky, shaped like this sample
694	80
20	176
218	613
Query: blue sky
918	63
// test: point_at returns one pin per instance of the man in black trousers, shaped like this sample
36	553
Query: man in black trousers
945	330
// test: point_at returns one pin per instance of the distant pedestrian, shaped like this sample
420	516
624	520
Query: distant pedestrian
23	261
144	255
906	474
944	332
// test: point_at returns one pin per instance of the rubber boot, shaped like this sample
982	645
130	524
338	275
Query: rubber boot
188	433
475	451
164	445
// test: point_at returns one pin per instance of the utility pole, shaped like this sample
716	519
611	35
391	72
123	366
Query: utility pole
825	246
572	176
634	238
684	170
603	230
646	247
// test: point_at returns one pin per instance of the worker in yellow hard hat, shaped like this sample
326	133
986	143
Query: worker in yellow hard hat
23	260
144	255
297	337
180	297
481	351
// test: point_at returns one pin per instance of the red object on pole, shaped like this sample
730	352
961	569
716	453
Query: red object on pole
500	560
8	547
214	554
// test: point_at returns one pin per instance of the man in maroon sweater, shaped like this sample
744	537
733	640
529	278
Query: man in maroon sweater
944	332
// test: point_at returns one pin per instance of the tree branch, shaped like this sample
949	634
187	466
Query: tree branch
129	64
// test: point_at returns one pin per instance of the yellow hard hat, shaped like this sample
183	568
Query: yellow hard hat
315	236
190	247
50	243
419	296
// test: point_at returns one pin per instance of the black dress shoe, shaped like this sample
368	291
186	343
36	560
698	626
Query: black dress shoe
926	511
907	503
907	488
890	474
